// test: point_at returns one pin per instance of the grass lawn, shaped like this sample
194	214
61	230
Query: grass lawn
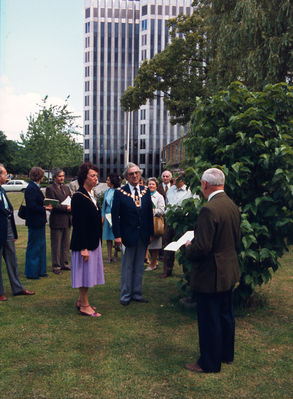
49	351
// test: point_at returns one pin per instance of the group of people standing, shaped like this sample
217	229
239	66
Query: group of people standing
127	218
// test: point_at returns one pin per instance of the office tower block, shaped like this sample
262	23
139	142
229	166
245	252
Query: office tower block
119	36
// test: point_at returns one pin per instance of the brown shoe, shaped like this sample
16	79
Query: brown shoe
3	298
194	367
56	270
164	275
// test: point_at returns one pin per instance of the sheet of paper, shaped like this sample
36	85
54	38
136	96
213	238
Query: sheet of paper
175	245
67	201
109	218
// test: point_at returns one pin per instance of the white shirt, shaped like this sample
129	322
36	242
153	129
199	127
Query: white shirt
214	193
175	196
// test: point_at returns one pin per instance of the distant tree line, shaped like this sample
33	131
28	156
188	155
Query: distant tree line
50	141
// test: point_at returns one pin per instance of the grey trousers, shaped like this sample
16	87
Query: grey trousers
132	269
9	254
60	242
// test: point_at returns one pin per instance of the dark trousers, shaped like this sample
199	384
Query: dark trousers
169	256
9	254
216	330
60	241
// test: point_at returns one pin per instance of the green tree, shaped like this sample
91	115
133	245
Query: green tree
177	73
222	41
50	138
249	135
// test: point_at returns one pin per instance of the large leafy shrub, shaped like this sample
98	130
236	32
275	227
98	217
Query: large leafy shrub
249	135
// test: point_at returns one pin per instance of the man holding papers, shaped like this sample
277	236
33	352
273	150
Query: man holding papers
215	272
60	221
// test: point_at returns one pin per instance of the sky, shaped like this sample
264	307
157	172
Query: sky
41	54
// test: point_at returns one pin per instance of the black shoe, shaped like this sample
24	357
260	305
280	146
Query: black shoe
56	270
125	303
66	267
142	300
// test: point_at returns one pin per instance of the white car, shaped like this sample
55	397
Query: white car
15	185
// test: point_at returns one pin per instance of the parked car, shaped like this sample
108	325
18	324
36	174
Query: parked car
15	185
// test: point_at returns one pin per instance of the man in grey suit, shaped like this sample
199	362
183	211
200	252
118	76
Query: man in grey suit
215	272
8	235
60	222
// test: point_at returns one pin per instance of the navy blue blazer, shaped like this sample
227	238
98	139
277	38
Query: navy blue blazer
130	222
35	212
3	219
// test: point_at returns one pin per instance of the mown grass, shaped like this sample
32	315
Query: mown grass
49	351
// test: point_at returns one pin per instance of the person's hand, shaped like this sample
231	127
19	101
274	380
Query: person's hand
118	240
151	238
85	254
68	208
103	219
48	207
188	243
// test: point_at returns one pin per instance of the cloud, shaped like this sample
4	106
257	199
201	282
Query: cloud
15	108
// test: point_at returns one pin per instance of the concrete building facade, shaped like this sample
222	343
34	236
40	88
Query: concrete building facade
118	36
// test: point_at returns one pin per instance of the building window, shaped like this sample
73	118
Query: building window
144	10
187	10
86	157
159	10
87	86
142	144
95	12
173	10
87	42
153	9
87	12
109	12
144	24
87	56
86	129
167	10
86	115
142	114
142	129
143	40
86	144
116	13
142	158
87	101
87	27
143	54
180	10
102	12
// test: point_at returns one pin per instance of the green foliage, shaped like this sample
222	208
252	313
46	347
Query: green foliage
177	73
49	139
249	135
250	40
222	41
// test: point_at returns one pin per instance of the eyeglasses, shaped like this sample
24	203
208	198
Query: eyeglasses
133	173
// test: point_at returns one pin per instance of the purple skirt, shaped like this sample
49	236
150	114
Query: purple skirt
87	274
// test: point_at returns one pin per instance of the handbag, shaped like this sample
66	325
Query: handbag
22	211
159	226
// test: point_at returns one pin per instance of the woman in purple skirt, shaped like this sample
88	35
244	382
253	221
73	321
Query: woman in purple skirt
87	268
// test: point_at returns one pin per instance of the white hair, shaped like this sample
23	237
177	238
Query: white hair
2	167
214	177
128	166
166	171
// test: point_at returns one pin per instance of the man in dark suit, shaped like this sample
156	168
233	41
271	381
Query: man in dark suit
132	225
8	235
215	272
59	222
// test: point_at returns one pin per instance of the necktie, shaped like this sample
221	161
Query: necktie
166	188
136	197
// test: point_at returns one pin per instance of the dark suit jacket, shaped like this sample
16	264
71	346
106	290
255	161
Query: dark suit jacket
130	222
35	211
60	218
3	220
86	222
213	250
